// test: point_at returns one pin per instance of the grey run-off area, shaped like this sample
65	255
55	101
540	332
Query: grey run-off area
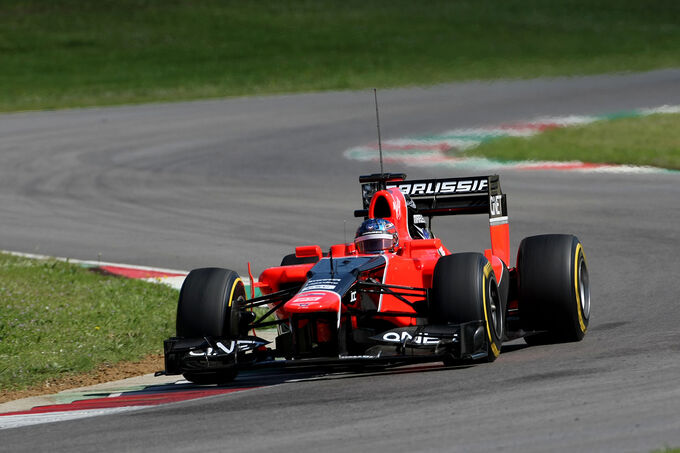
229	181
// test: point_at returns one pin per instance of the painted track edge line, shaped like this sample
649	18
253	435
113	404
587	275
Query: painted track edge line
172	277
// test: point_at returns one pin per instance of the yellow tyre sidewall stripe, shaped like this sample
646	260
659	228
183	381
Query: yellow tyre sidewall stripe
579	250
233	289
487	272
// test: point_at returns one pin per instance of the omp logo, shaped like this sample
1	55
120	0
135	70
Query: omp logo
442	187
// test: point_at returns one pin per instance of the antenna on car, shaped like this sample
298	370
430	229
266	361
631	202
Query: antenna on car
374	182
377	118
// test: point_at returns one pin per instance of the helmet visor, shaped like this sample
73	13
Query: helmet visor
374	243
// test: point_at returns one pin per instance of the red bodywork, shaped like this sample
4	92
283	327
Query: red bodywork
411	265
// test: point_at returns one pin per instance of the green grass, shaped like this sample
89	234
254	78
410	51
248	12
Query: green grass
57	318
652	140
67	53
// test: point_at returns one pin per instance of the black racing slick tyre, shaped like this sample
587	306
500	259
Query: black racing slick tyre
554	288
209	305
464	289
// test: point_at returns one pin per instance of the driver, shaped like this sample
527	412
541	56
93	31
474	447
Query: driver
376	236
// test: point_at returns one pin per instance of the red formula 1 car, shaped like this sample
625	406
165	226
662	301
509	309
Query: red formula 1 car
394	295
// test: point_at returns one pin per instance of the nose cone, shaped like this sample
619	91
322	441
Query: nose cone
313	301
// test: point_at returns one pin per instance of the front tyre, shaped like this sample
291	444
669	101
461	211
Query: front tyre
554	288
464	289
210	305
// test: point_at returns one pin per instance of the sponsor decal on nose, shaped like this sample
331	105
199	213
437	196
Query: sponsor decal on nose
313	301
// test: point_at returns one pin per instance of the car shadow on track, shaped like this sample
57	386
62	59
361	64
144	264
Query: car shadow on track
267	377
250	379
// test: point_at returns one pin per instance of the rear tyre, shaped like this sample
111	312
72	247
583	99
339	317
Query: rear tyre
464	289
209	305
554	288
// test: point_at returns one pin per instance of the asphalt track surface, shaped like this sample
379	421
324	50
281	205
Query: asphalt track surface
222	182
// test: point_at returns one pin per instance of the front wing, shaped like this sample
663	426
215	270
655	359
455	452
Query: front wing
396	346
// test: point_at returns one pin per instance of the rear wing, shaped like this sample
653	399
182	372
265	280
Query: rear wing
450	196
440	197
